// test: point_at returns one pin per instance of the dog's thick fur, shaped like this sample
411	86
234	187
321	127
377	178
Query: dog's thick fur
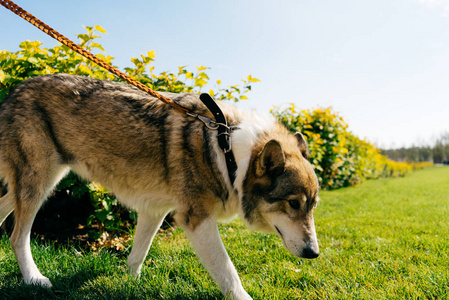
156	161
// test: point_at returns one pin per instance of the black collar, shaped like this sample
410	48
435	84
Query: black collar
223	134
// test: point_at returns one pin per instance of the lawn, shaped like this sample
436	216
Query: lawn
384	239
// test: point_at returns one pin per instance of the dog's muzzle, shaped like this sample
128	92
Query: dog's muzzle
310	252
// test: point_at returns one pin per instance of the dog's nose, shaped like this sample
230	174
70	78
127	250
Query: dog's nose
310	253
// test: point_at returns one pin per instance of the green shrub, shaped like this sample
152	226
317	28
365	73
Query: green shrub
33	60
107	213
421	165
340	158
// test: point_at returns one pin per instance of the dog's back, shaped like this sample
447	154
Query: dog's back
105	131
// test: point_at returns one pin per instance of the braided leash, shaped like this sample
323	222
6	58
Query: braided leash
65	41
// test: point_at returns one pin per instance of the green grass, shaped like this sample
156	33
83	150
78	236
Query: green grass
384	239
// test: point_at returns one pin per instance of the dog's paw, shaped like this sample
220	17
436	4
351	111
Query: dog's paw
134	271
241	295
41	280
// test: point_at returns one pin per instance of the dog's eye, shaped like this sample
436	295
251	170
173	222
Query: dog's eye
294	204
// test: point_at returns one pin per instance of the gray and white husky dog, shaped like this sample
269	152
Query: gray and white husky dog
156	161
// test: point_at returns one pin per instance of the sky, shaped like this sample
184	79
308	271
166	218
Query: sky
382	65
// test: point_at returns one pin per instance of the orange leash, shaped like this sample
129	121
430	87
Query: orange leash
65	41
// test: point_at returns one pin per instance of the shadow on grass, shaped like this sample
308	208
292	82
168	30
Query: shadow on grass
156	295
14	288
75	291
64	287
77	286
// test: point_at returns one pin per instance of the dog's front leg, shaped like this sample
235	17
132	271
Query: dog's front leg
146	229
206	240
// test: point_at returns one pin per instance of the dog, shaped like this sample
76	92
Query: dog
156	161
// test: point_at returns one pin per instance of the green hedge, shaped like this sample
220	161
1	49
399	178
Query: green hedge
340	158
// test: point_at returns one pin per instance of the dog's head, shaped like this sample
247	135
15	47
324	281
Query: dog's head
280	192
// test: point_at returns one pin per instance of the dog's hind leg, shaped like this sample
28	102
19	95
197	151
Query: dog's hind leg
146	229
31	191
206	240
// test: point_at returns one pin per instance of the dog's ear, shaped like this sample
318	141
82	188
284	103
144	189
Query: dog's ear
271	160
302	144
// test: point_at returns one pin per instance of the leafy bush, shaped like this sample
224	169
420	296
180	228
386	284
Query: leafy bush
33	60
339	157
421	165
106	212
